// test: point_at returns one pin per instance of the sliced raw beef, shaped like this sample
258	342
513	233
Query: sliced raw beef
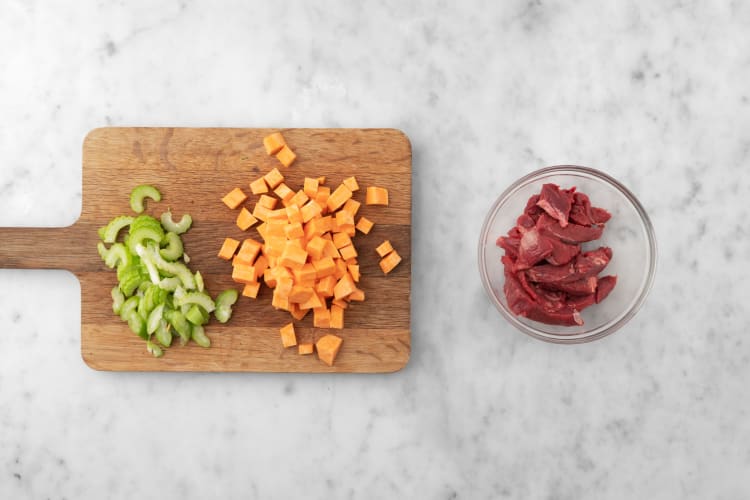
574	233
605	285
532	249
556	202
585	286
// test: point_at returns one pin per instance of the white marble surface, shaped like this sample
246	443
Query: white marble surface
655	93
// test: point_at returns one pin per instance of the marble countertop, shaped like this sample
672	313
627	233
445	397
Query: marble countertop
654	93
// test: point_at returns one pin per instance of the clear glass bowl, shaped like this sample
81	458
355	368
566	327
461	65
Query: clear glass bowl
629	233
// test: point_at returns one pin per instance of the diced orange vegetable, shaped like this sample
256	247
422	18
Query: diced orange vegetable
354	271
315	247
243	274
348	252
251	290
351	206
305	275
274	246
321	198
284	192
344	287
341	269
269	278
337	317
384	248
351	183
341	240
249	250
325	286
284	286
390	261
286	156
299	199
364	225
275	229
293	257
300	294
321	180
278	214
376	196
310	187
342	303
313	302
339	197
245	219
288	336
357	295
321	317
293	231
273	178
280	302
234	198
259	186
273	143
296	312
310	210
267	201
261	212
330	250
293	214
328	347
228	248
260	266
324	267
306	348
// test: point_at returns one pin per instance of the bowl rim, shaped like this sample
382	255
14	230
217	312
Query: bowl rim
575	338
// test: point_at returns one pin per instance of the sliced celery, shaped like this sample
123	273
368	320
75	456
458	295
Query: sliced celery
129	307
163	334
118	299
170	284
137	325
176	227
181	325
108	233
154	349
224	302
199	335
199	281
154	319
173	250
196	315
200	298
139	193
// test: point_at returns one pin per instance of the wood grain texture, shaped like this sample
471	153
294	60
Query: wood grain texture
194	168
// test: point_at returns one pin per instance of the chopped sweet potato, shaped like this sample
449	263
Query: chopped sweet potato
376	196
228	248
245	219
305	348
328	347
251	290
390	261
273	178
288	336
259	186
364	225
234	198
286	156
384	248
273	143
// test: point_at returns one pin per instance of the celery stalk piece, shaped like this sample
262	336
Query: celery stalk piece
141	192
154	319
176	227
199	281
199	298
108	233
163	333
154	349
199	335
118	299
173	250
224	302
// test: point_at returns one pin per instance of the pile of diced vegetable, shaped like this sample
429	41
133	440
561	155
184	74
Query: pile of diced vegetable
157	294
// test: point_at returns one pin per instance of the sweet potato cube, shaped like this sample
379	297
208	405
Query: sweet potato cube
286	156
243	274
306	348
321	197
310	187
305	275
321	317
384	248
276	228
324	224
293	256
284	192
296	312
299	199
352	206
315	247
284	285
280	302
300	294
337	317
274	247
273	178
293	231
354	271
341	269
267	201
273	143
342	303
261	212
313	302
310	210
341	240
344	287
348	252
324	267
249	250
262	229
328	347
234	198
357	295
260	266
228	248
321	180
245	219
293	214
288	336
376	196
259	186
330	250
278	214
390	261
269	278
364	225
351	183
325	286
251	290
339	197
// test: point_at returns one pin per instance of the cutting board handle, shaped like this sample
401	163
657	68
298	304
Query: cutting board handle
42	247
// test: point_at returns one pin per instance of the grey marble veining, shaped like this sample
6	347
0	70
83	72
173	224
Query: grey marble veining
654	93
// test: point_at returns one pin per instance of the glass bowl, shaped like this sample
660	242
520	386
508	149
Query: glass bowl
628	233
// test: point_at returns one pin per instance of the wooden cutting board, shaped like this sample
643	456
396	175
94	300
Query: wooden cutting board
194	168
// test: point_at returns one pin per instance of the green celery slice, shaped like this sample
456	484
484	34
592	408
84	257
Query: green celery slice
154	319
138	325
129	307
199	281
118	299
200	298
181	325
108	233
173	250
154	349
199	335
196	316
141	192
163	333
176	227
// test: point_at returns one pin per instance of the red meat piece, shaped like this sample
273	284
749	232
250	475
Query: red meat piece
580	212
585	286
562	253
547	273
599	215
581	302
522	304
525	223
574	233
532	249
532	210
509	244
556	202
605	285
593	262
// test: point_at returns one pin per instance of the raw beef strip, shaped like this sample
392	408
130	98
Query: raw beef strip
606	284
585	286
509	244
556	202
582	302
532	249
562	253
524	223
574	233
532	210
591	263
547	273
580	212
599	215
